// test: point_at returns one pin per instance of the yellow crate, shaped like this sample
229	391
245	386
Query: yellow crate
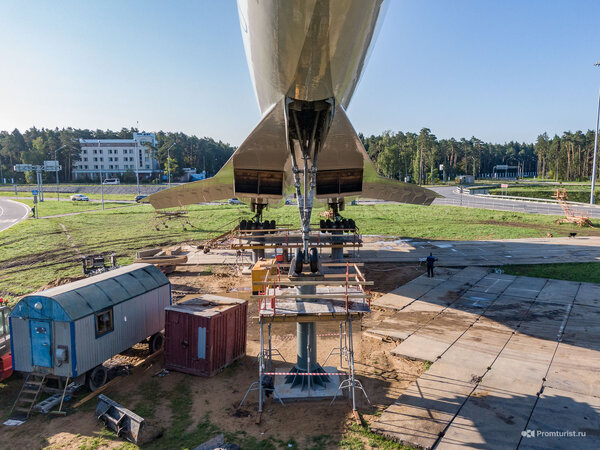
259	272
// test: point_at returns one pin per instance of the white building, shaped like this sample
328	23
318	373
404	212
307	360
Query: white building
111	158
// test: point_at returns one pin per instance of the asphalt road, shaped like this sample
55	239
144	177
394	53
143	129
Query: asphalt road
454	198
11	213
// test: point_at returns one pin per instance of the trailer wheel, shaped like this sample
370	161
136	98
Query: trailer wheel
156	342
96	378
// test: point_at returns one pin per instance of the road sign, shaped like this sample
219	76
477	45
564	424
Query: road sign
34	192
23	167
51	165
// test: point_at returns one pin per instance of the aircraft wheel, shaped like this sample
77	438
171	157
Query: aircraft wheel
345	224
299	261
314	260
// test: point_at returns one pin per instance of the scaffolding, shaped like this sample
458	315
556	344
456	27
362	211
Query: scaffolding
339	295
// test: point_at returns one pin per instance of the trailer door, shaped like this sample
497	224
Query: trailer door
41	343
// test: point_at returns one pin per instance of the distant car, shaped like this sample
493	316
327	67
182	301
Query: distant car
111	181
235	201
288	201
80	198
139	198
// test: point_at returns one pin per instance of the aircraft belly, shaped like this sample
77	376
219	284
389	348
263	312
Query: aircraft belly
307	50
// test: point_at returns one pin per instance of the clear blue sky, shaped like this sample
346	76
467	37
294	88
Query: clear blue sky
499	70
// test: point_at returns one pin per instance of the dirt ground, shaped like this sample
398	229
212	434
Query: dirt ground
159	399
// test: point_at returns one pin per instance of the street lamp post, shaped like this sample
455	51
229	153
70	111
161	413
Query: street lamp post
57	184
169	162
137	168
592	200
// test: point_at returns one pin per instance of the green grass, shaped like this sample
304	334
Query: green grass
35	252
51	208
355	439
575	193
66	196
585	272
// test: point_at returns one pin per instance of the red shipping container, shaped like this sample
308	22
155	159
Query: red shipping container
205	334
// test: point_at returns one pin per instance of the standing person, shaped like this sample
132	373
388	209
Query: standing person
430	260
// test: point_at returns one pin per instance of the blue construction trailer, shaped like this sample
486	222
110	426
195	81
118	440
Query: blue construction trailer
70	330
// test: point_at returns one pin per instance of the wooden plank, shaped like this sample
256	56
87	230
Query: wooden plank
91	395
317	283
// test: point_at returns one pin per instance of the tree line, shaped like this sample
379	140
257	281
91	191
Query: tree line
418	157
34	146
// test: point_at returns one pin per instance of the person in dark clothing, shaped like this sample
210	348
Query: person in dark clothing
430	260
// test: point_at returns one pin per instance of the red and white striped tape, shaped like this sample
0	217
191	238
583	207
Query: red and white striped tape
304	374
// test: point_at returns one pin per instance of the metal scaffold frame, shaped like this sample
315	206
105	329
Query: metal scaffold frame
351	301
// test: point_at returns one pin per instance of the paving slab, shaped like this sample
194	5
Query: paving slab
429	342
506	312
404	295
469	358
470	274
521	366
545	320
494	283
560	412
475	303
583	327
526	287
558	291
446	293
421	414
575	369
491	419
588	294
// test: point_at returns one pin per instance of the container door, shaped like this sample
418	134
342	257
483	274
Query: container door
177	342
41	343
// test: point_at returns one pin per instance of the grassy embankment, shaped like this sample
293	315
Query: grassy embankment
575	193
585	272
36	252
66	196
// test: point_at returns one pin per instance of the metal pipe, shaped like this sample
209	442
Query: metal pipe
592	200
270	349
260	368
341	348
351	351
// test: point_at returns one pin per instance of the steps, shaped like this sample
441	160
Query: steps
34	382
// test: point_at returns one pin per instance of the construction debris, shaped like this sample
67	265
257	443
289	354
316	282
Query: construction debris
124	422
570	215
165	260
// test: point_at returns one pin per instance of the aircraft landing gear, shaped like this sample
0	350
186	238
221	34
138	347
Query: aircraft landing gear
338	222
257	222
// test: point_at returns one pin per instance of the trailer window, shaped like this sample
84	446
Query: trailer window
104	322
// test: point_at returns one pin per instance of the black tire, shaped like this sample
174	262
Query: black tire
299	261
345	224
321	224
328	224
156	342
314	260
273	225
243	224
96	378
351	224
